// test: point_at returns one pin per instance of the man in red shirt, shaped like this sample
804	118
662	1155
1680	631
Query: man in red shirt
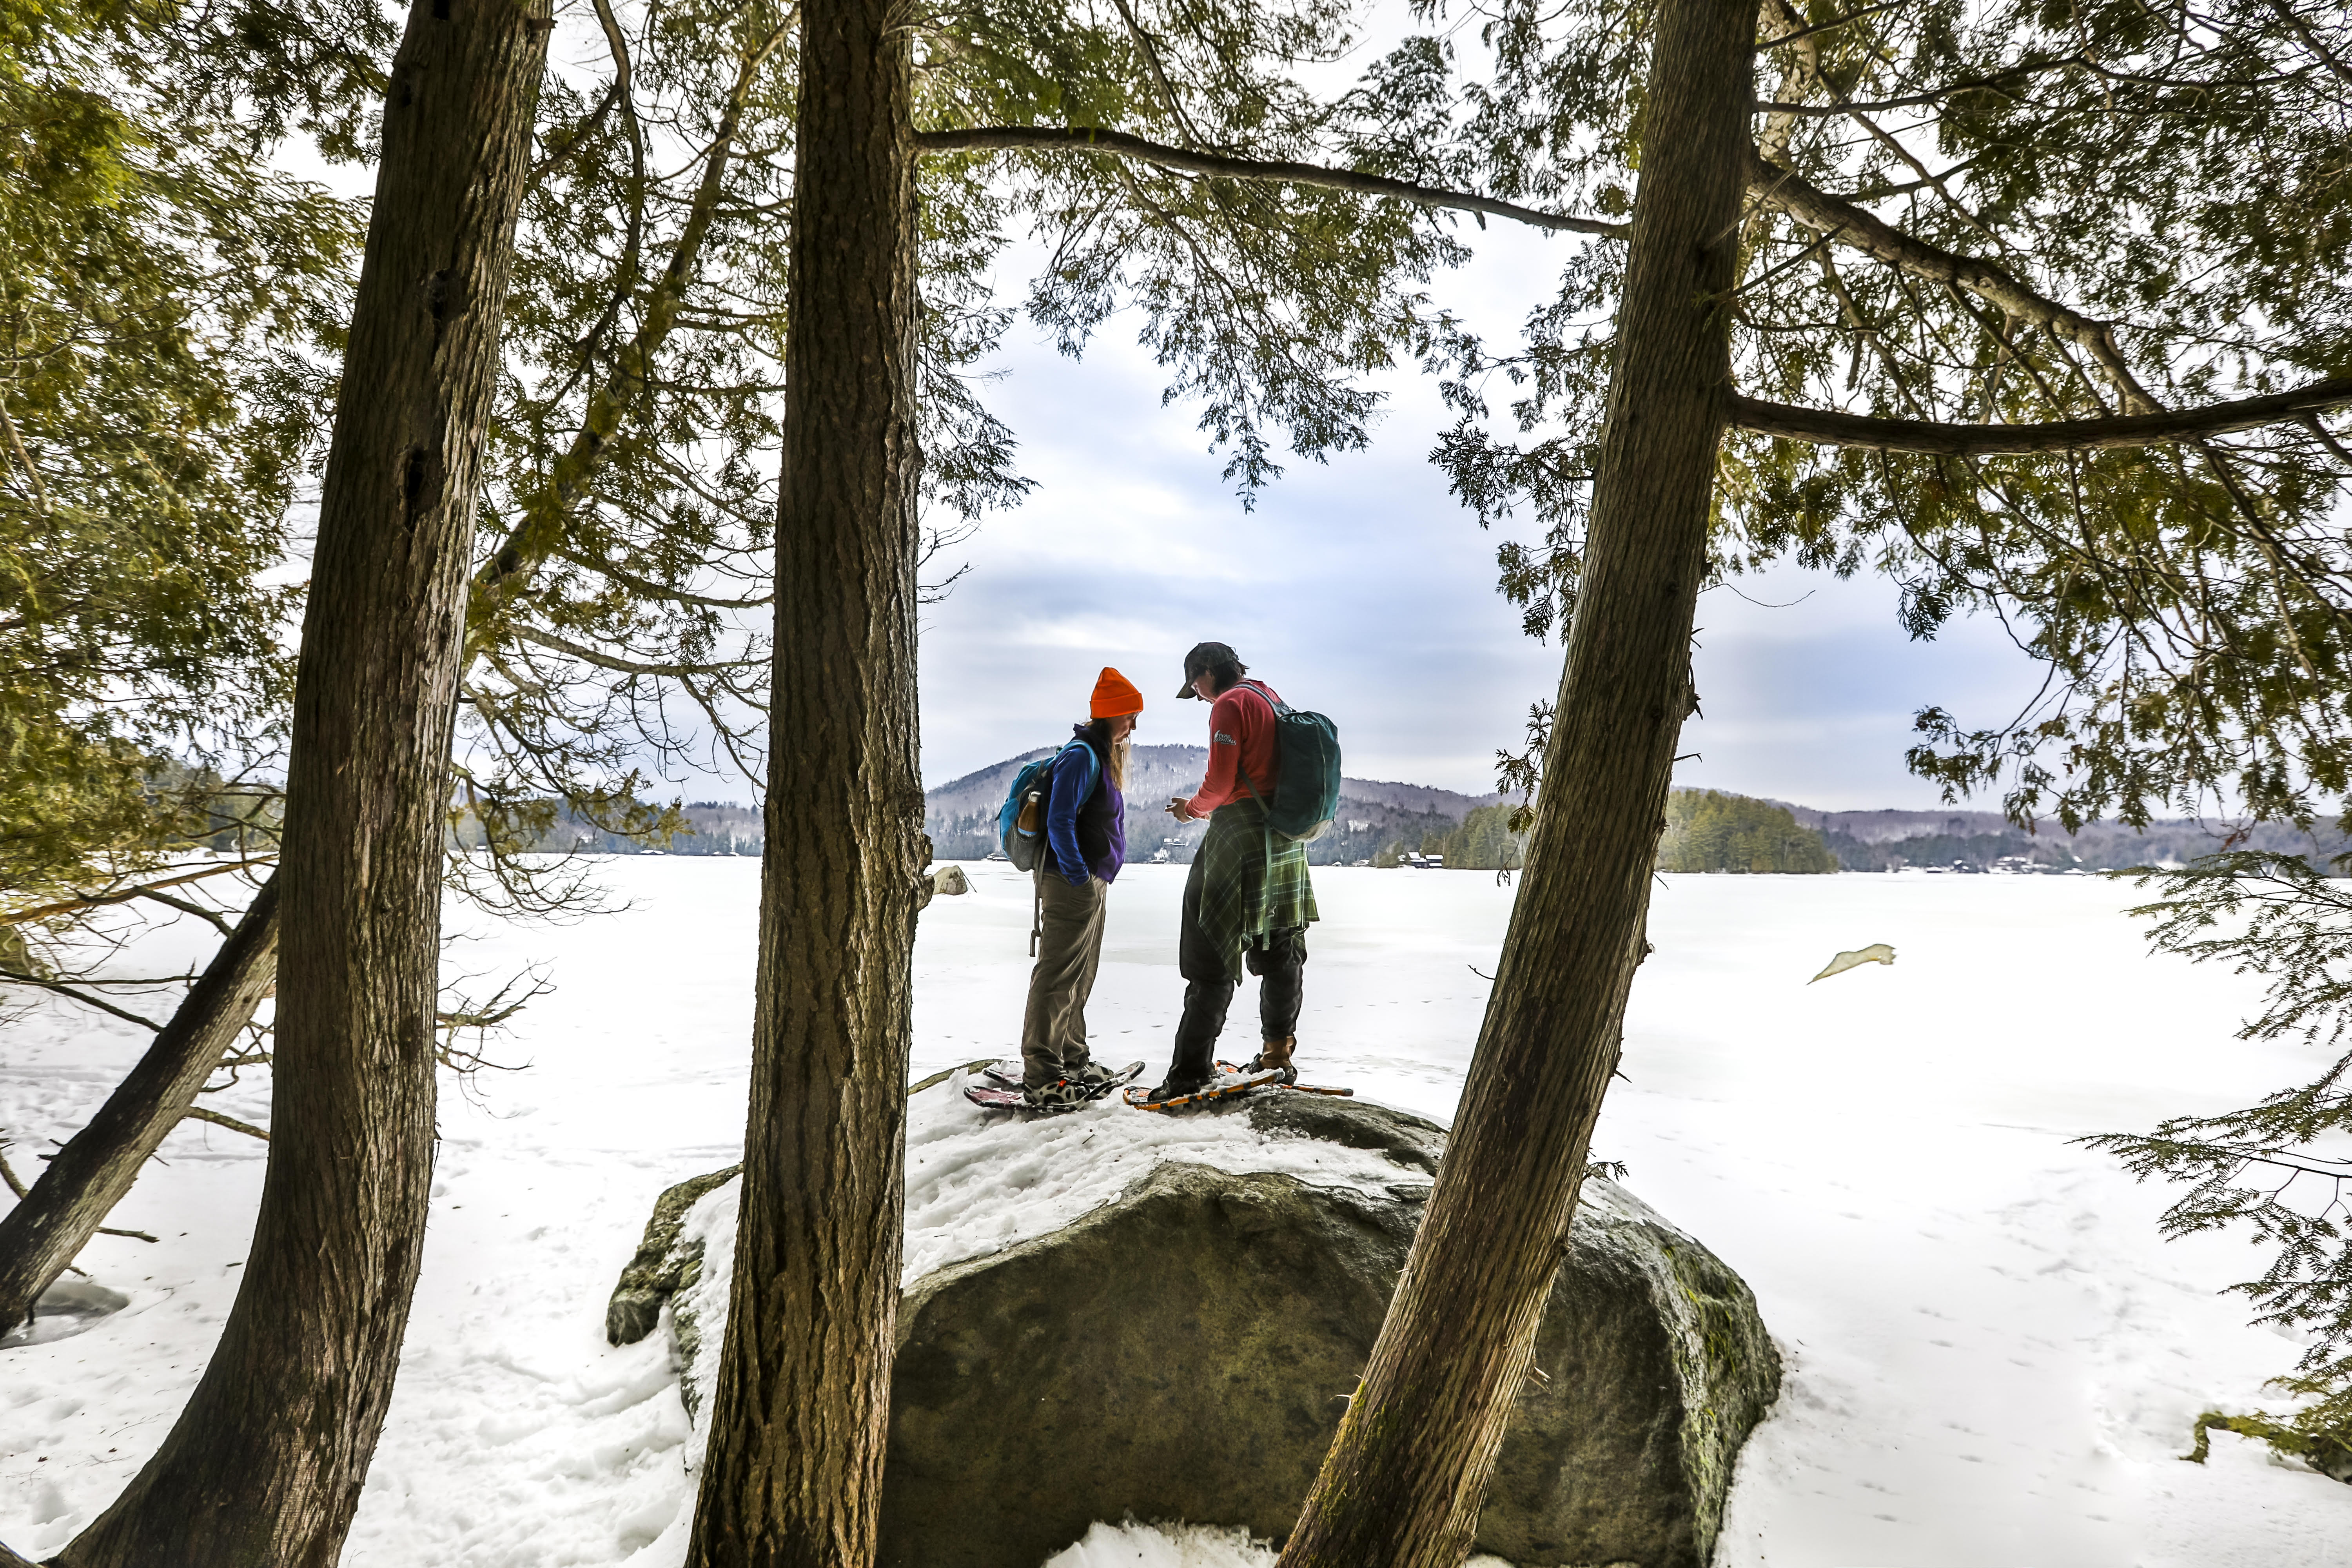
1248	899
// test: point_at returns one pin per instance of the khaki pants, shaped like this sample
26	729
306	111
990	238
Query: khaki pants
1054	1029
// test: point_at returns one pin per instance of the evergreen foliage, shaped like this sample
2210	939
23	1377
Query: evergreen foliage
2272	1169
1268	302
1710	831
2172	178
1485	842
167	302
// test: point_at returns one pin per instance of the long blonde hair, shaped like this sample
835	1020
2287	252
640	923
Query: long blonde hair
1114	754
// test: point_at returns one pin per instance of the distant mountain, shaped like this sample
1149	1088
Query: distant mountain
1377	815
1374	814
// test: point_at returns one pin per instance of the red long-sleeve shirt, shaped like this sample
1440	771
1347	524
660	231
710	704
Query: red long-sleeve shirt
1241	739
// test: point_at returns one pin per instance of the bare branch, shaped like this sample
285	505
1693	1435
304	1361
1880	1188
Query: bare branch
74	994
650	589
187	906
25	459
1090	139
587	655
220	1119
1918	100
1827	429
1151	57
123	896
546	508
1849	17
2302	30
624	92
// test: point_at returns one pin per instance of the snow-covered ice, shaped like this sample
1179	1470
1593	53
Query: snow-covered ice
1992	1358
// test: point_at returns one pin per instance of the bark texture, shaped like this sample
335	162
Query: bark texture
265	1463
800	1412
1405	1475
80	1187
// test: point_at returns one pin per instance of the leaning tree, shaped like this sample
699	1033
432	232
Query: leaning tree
2059	337
266	1461
618	597
2060	261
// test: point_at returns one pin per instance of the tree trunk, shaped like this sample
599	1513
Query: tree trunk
1407	1472
89	1176
800	1414
265	1463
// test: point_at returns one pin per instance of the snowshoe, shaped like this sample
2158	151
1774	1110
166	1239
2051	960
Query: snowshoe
1291	1082
1224	1086
1062	1094
1097	1078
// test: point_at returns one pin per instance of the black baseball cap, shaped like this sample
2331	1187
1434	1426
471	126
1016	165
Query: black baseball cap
1203	657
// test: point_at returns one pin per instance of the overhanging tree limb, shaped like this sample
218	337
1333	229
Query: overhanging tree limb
1828	428
1094	139
1848	224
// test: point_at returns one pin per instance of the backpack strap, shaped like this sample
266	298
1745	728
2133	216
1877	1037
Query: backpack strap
1274	711
1094	763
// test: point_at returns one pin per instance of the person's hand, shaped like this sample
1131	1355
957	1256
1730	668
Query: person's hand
1180	808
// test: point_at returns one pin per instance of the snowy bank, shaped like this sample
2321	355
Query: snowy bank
1993	1359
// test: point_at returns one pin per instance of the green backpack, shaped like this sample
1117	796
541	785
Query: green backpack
1307	796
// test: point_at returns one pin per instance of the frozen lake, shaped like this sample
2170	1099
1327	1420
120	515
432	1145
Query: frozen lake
1991	1359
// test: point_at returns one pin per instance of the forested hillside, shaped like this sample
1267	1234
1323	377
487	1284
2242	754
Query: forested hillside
1710	831
1380	821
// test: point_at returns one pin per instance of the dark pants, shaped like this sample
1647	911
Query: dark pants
1054	1028
1278	960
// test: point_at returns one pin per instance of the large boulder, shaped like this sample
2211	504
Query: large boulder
1185	1352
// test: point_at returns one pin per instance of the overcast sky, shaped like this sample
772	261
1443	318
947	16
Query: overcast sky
1363	590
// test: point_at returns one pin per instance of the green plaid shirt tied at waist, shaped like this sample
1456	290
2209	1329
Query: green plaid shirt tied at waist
1253	881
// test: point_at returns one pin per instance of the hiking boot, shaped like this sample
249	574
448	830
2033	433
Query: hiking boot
1177	1089
1059	1095
1276	1054
1092	1076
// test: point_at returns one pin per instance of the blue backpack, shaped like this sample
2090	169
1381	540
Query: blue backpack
1021	820
1306	790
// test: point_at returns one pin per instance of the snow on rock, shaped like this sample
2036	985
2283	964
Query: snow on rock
980	1181
1195	1334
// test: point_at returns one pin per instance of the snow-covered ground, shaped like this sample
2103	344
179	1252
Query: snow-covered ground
1992	1358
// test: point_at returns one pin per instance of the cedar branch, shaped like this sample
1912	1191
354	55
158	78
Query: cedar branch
1875	237
1094	139
1828	428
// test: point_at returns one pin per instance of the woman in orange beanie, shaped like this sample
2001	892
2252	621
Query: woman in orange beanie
1086	845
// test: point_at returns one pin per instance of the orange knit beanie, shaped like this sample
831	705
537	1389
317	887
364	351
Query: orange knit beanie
1115	694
